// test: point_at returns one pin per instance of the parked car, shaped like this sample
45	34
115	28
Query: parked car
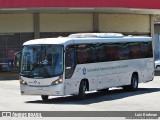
157	64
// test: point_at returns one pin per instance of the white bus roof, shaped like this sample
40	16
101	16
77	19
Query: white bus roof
88	38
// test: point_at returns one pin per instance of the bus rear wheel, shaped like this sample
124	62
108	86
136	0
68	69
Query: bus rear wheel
44	97
82	89
134	83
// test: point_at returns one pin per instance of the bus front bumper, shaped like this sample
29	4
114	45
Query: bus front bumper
54	90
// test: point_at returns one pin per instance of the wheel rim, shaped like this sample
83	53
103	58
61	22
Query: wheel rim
135	83
84	87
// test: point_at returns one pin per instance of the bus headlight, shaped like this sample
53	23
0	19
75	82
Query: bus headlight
23	82
58	81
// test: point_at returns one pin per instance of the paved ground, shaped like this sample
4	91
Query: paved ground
145	99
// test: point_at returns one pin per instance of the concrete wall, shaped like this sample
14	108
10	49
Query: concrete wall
16	23
66	22
125	23
76	22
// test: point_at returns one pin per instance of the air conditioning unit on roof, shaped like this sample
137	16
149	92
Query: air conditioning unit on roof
96	35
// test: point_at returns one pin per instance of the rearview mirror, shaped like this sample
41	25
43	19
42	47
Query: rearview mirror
17	59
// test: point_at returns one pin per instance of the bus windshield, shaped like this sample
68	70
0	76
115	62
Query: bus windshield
42	61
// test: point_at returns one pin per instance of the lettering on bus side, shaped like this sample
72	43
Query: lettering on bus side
107	68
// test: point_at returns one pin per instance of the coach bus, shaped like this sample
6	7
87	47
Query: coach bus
85	62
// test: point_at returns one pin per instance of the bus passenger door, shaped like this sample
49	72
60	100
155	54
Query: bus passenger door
70	65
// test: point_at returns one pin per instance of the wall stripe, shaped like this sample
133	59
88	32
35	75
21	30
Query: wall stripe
147	4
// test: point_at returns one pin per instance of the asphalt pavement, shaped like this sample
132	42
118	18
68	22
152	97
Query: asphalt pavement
146	98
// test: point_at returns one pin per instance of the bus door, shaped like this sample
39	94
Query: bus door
70	65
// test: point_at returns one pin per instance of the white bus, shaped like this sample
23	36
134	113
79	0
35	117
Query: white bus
85	62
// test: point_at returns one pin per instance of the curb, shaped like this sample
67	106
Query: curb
9	76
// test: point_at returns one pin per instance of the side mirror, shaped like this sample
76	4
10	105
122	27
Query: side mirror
17	59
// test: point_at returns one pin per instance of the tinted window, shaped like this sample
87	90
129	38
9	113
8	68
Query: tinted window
92	53
135	50
84	54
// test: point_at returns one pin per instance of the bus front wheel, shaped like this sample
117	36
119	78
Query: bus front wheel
44	97
82	89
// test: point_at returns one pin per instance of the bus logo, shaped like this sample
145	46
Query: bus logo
35	82
84	71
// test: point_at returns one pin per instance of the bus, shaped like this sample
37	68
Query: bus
85	62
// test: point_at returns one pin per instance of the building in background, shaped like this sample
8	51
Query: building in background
21	20
157	39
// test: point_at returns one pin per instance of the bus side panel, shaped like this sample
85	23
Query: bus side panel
71	86
92	83
108	74
150	69
142	75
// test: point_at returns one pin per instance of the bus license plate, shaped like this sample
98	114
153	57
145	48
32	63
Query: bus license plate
40	88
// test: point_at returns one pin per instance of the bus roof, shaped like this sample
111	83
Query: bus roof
88	38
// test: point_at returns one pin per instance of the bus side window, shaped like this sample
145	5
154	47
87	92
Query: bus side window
70	58
135	51
70	62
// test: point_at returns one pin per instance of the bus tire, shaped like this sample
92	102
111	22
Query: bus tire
44	97
134	83
82	89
